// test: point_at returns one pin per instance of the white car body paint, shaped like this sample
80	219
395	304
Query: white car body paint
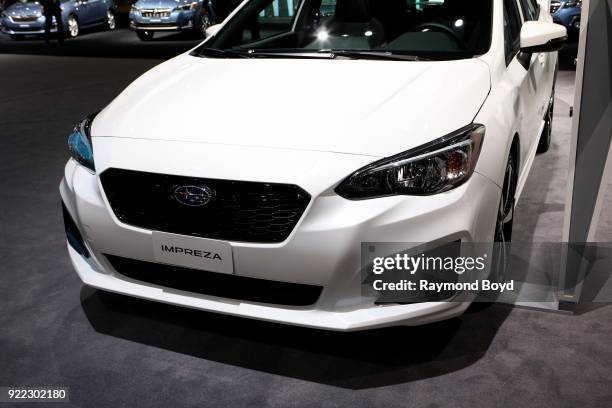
381	108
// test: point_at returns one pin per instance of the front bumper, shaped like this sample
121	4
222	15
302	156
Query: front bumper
26	28
323	250
176	21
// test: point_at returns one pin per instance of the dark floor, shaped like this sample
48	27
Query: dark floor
120	352
121	43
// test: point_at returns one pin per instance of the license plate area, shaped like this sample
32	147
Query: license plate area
156	14
192	252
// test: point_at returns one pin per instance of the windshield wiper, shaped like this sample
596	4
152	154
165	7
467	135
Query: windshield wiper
217	53
252	53
374	55
331	54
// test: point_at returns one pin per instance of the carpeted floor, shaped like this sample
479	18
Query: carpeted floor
114	351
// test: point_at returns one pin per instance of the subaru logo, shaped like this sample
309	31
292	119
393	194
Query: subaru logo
193	196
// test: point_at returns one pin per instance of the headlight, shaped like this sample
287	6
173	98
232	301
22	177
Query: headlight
79	143
188	6
430	169
136	9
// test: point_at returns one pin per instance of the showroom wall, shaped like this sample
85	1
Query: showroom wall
593	124
588	210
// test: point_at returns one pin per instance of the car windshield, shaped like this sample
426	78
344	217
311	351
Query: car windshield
369	29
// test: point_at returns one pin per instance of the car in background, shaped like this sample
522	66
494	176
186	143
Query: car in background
568	14
554	6
25	17
150	16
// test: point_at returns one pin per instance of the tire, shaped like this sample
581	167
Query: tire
546	136
73	26
145	35
505	213
111	20
504	221
205	22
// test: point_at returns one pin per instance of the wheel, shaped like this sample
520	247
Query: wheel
111	22
205	22
73	26
546	136
505	213
145	35
505	221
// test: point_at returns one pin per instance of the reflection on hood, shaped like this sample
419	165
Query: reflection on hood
161	3
24	7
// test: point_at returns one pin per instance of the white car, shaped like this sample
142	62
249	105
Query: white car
242	177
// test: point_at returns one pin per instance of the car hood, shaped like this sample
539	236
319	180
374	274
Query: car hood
375	108
24	9
158	3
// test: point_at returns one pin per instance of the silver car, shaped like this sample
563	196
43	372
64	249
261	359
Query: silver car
25	17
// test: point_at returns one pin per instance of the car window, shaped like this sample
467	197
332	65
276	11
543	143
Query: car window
268	19
536	7
436	29
529	11
328	8
512	29
274	19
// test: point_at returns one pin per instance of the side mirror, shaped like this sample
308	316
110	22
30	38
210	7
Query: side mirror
212	30
539	36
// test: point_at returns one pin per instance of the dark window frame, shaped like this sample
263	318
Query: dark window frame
516	36
538	8
530	11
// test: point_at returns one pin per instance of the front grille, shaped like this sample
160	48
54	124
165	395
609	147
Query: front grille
28	19
24	29
217	284
238	210
156	13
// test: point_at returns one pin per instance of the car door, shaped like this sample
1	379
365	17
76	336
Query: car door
541	65
83	12
524	77
98	11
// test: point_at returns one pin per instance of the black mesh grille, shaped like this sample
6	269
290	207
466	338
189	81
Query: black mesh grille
238	211
217	284
28	19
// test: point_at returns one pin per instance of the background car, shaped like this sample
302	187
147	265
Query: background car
568	14
149	16
25	17
554	6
